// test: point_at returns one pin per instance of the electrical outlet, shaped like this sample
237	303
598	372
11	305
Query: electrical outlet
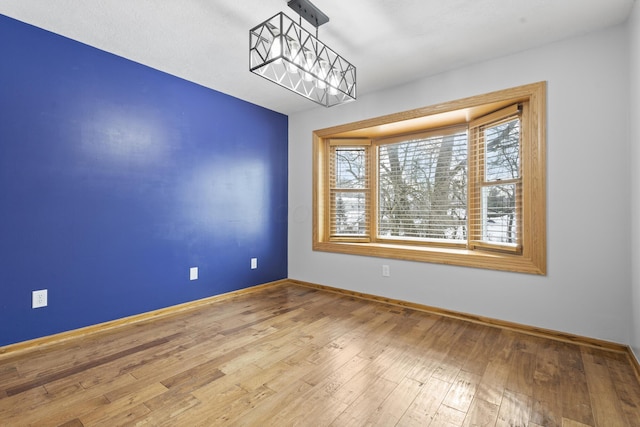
193	273
385	271
254	263
39	298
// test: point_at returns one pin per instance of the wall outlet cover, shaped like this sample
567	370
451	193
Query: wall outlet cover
385	271
39	298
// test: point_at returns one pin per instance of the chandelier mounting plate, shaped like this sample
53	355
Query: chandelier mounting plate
309	12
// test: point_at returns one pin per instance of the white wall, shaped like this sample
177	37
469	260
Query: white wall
587	287
634	32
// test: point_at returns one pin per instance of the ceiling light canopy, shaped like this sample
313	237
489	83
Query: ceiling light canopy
282	51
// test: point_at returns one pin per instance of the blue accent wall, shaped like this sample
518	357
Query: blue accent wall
116	178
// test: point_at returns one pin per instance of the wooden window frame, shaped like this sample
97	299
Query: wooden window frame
477	181
531	256
367	190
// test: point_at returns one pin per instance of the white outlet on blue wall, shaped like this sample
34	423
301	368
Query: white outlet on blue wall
39	298
254	263
193	273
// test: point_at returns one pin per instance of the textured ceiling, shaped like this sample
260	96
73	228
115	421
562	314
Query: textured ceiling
389	41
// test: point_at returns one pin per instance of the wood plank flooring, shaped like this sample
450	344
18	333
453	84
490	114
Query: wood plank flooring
290	355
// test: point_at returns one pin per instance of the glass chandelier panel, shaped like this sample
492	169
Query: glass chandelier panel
285	53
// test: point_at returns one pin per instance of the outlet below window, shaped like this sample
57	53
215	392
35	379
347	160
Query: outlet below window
385	271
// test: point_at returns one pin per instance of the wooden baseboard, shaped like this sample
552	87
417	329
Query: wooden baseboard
517	327
39	343
531	330
635	362
50	340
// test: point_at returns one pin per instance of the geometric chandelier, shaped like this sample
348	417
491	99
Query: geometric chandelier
282	51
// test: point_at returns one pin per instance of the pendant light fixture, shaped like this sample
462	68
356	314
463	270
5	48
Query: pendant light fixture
282	51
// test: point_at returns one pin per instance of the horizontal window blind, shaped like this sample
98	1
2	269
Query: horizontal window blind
422	187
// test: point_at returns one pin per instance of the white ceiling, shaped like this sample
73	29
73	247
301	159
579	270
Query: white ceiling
389	41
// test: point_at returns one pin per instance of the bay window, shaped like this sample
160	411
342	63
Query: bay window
459	183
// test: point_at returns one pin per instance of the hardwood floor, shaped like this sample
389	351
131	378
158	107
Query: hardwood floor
292	355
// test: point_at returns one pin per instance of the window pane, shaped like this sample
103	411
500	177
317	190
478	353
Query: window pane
349	166
502	151
422	188
499	214
349	211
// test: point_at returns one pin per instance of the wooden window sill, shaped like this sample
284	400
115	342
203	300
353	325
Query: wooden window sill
492	260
